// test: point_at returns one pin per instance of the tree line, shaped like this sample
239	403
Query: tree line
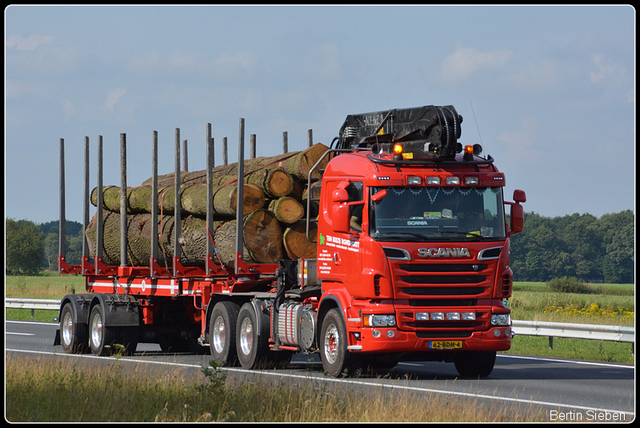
579	245
31	248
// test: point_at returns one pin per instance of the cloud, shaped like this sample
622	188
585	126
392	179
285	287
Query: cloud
466	61
520	143
605	70
543	75
113	96
193	63
30	43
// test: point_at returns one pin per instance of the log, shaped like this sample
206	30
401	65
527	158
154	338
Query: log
297	164
312	192
192	238
296	244
286	209
261	233
193	199
262	239
274	181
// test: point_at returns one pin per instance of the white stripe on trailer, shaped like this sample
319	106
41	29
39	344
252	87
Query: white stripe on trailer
173	287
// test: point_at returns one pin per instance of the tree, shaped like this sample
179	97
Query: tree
618	234
73	240
576	245
24	247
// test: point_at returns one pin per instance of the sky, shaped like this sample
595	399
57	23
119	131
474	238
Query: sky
549	91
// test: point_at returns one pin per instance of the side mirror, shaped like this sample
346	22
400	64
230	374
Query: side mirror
378	196
340	217
517	218
519	196
340	195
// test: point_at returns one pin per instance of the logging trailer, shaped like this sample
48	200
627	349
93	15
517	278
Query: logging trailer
412	262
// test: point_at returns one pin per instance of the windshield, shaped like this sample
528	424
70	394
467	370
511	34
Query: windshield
430	213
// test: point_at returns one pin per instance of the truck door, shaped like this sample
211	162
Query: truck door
339	254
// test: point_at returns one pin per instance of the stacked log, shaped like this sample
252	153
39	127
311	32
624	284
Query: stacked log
273	202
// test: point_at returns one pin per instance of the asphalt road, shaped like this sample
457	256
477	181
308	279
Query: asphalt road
559	388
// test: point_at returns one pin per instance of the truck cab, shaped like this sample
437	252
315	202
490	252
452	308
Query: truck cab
413	243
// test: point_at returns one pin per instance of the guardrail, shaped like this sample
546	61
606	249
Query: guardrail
612	333
33	304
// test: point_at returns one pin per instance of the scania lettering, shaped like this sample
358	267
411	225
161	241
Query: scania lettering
444	252
410	262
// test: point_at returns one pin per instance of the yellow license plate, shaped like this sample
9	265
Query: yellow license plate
445	344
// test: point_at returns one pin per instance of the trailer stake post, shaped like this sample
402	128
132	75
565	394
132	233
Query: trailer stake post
209	260
240	195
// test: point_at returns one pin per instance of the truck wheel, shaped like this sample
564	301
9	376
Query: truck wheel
74	337
476	364
336	359
222	333
250	344
101	337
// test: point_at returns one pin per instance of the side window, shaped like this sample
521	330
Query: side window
355	195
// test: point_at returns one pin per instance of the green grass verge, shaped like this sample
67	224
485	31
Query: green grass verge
41	390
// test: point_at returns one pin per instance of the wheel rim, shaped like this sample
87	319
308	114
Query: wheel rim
331	344
96	330
246	336
67	329
219	335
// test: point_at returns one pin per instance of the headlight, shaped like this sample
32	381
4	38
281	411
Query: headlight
379	320
501	319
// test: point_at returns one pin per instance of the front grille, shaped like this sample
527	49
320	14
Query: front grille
441	279
443	291
467	267
443	286
424	280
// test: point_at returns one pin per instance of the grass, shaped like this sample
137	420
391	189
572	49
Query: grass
49	285
40	390
613	305
533	301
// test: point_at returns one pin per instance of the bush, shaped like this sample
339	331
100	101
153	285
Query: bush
569	285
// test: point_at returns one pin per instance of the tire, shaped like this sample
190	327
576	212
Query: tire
74	337
101	337
222	334
336	359
476	364
251	345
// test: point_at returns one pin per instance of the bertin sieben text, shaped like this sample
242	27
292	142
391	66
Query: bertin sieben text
591	415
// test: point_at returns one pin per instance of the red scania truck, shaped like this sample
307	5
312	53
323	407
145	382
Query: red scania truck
412	264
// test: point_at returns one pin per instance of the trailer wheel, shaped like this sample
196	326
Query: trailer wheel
475	364
222	333
336	359
74	337
251	345
101	337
